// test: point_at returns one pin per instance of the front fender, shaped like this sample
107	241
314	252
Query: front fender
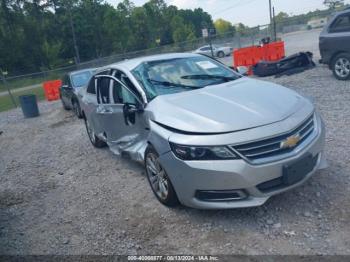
159	138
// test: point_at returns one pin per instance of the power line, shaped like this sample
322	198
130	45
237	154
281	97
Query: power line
234	6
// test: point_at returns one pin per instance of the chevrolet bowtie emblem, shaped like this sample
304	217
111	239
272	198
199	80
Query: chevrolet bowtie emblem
290	142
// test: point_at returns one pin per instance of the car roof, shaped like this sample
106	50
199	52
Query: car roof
130	64
82	71
345	11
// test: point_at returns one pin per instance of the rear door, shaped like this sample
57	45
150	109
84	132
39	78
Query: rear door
91	102
338	37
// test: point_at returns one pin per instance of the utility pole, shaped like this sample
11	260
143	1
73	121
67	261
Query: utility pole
8	89
77	56
274	25
270	10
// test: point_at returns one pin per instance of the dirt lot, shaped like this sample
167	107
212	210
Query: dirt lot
59	195
295	42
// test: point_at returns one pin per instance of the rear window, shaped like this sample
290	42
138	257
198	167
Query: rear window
341	24
80	79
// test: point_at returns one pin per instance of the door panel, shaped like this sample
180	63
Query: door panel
116	129
113	119
90	104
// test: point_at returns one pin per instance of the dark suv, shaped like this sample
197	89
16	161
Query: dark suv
335	45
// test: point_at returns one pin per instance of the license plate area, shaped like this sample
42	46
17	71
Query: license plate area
296	171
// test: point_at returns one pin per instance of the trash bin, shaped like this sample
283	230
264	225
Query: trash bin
29	105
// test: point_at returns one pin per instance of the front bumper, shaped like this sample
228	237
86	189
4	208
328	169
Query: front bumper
191	177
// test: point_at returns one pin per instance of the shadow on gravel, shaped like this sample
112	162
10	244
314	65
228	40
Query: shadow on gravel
311	200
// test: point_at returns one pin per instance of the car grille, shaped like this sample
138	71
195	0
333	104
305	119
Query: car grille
272	146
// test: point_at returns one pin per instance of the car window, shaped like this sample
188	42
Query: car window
341	24
91	87
65	80
103	85
205	48
117	92
121	95
122	77
80	79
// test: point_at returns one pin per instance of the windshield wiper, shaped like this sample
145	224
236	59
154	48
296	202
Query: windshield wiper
166	83
204	77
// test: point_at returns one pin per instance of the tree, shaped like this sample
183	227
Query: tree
281	20
333	4
242	29
223	27
181	31
37	34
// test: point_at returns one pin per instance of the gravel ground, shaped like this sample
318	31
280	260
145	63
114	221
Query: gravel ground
59	195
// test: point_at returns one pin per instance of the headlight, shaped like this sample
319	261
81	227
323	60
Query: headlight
202	152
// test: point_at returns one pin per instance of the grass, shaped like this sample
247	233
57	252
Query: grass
23	82
6	102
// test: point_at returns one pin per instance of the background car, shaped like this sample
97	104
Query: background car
219	51
335	45
71	85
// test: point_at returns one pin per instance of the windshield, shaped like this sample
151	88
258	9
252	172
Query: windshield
181	74
81	79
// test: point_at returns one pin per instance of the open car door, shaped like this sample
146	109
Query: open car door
120	117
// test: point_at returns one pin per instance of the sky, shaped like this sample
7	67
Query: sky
248	12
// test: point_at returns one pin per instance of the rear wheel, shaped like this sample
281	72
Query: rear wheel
76	108
341	66
159	180
65	107
95	141
221	54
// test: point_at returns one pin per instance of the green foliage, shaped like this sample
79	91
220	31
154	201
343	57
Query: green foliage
37	35
333	4
223	27
242	29
6	102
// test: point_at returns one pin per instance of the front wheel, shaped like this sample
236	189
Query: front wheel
341	66
95	141
159	180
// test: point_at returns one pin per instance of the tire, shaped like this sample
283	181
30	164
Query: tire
76	109
159	180
95	141
65	107
221	54
341	66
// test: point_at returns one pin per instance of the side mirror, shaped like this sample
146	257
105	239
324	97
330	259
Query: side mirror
130	111
131	108
67	87
243	70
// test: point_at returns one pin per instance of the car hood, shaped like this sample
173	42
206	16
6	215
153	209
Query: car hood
237	105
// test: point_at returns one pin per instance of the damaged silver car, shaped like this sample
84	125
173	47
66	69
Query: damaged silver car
209	137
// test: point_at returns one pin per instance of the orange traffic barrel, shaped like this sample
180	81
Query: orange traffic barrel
51	89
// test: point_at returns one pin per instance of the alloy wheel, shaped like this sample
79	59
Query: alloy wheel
157	176
342	67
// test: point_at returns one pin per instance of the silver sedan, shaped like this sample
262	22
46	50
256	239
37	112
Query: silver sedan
208	137
218	51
